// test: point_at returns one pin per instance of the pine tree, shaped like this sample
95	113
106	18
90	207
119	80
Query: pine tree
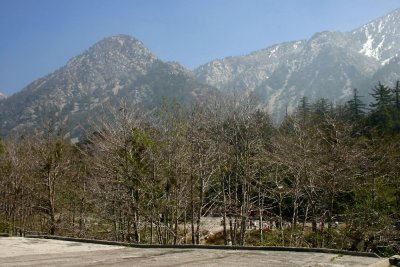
396	93
355	107
304	109
396	113
381	115
321	107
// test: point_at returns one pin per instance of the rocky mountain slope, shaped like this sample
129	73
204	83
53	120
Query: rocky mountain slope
329	65
116	68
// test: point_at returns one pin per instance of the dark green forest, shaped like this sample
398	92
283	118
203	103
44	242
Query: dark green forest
326	176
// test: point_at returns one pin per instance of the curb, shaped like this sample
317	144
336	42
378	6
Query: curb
135	245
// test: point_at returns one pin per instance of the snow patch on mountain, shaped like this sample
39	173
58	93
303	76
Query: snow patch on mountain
328	65
380	38
368	49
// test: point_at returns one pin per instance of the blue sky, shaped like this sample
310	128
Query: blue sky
39	36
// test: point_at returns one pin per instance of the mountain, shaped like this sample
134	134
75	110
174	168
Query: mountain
2	96
389	72
379	39
328	65
116	68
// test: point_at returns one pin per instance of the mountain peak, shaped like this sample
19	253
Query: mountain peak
379	38
115	68
326	65
394	13
2	96
121	39
112	56
121	43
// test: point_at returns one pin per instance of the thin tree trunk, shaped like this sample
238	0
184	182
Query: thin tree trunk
200	208
224	213
192	208
151	231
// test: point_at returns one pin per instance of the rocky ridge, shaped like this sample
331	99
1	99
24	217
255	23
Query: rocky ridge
328	65
116	68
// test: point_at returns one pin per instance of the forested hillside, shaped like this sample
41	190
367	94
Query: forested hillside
327	176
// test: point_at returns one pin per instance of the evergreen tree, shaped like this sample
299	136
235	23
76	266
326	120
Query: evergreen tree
304	109
396	93
396	113
321	109
381	115
355	107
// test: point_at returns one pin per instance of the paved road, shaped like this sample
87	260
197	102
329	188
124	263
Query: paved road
16	251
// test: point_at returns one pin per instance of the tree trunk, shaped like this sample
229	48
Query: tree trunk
151	231
192	208
199	213
224	213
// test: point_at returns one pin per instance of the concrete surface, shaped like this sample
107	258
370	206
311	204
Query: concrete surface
17	251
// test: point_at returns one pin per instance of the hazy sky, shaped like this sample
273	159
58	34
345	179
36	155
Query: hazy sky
39	36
